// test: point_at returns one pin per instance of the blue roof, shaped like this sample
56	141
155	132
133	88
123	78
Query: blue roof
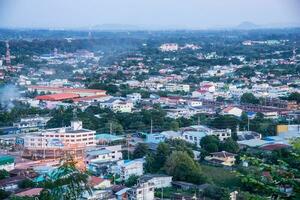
99	152
108	137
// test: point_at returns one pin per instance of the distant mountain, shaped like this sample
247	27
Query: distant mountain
247	26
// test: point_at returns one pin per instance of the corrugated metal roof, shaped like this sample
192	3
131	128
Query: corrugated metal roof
57	97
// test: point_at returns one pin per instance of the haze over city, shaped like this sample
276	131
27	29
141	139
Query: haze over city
157	14
149	99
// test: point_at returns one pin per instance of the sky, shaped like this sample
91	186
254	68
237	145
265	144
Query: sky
147	13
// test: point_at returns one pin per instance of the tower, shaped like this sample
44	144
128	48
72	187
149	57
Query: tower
7	56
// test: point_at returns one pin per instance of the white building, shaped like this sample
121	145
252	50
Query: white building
194	134
169	47
118	105
60	137
235	111
105	154
158	180
134	97
173	87
142	191
133	167
31	123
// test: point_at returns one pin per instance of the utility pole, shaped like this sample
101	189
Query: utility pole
151	124
128	138
162	193
110	128
248	123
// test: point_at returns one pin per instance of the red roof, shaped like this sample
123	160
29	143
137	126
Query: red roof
272	147
30	192
94	180
64	89
202	91
57	97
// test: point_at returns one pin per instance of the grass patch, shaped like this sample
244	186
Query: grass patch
221	177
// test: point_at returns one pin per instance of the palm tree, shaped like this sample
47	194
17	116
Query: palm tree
66	182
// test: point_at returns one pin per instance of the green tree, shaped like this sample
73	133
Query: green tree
27	183
249	98
210	143
67	182
182	167
141	150
4	194
295	96
131	181
230	145
215	192
3	174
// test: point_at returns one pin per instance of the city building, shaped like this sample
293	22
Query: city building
132	167
141	191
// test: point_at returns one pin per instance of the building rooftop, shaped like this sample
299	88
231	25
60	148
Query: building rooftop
57	97
72	90
4	160
30	192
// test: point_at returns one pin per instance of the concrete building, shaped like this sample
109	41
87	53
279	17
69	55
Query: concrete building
169	47
56	137
104	154
133	167
158	180
142	191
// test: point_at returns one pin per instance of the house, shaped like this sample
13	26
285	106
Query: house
247	135
104	154
193	137
117	105
99	183
155	138
98	194
222	134
142	191
158	180
169	47
235	111
32	192
11	183
7	163
132	167
172	134
120	192
134	97
30	124
221	158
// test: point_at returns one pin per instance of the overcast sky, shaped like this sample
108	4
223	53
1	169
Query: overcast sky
150	13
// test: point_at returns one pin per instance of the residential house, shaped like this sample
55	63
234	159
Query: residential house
132	167
221	158
141	191
158	180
